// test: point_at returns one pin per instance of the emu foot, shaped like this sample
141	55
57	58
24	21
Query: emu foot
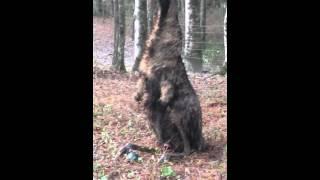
163	158
166	156
170	156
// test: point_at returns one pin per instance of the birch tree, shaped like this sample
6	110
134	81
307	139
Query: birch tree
140	30
192	47
224	67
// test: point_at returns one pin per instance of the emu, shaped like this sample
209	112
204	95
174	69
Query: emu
172	106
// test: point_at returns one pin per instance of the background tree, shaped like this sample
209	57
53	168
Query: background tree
192	47
95	8
111	9
224	67
103	8
203	15
208	49
115	31
140	30
100	7
119	36
181	11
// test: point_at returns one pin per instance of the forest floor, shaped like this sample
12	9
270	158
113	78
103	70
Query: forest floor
118	119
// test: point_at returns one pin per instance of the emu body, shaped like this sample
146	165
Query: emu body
171	103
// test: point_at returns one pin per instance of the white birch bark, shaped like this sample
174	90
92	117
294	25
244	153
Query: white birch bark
137	22
192	51
140	28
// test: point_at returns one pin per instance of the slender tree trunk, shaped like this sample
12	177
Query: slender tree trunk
140	31
192	48
133	21
223	69
203	15
103	9
112	9
181	19
100	7
225	36
115	32
95	8
217	3
132	27
225	40
181	4
119	65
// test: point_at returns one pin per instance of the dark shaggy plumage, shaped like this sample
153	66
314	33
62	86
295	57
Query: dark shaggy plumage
171	103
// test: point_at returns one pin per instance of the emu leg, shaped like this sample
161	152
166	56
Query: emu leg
186	147
141	87
158	129
186	142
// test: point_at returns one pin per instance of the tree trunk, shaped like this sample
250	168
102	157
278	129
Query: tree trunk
203	15
132	27
223	69
99	3
192	48
217	3
112	13
181	5
119	66
225	36
133	20
115	32
140	31
95	8
103	9
225	41
181	19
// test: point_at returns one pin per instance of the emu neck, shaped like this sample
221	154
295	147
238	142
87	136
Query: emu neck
169	41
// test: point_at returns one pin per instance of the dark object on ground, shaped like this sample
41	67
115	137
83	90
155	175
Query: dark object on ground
132	156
